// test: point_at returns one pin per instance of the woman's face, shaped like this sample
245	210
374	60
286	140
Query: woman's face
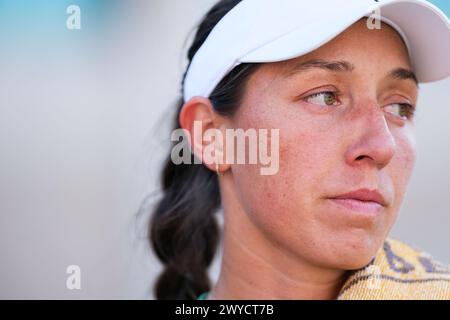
344	119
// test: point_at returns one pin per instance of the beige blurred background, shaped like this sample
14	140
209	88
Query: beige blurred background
85	120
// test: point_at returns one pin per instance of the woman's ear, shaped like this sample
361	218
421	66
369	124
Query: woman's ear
206	130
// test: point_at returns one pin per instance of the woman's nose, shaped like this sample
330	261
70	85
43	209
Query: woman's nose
372	140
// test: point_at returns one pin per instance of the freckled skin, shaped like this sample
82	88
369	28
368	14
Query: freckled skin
282	236
318	151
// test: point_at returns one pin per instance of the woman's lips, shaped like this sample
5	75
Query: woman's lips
362	200
370	207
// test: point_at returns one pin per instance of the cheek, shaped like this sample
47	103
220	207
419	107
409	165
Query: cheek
309	155
281	200
402	165
281	205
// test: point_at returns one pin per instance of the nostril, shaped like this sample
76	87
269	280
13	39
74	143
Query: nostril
360	158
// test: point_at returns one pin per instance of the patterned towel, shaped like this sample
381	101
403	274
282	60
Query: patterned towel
398	271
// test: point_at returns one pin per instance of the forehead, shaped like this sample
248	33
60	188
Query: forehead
364	48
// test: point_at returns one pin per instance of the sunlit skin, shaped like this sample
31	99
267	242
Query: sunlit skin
343	126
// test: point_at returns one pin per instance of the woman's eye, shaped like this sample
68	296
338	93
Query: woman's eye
327	98
402	110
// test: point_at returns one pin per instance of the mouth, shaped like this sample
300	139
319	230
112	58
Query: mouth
361	200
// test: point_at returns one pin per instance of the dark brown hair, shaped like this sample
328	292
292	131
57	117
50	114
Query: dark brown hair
184	232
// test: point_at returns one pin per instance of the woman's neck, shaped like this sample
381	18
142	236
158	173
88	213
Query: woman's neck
254	268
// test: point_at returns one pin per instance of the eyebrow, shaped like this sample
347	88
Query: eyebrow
345	66
404	74
342	66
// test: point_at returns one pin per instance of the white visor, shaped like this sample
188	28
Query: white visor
262	31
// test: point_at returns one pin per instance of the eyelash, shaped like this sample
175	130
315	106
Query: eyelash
314	95
410	109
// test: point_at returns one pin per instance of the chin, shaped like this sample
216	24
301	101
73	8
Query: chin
355	262
355	252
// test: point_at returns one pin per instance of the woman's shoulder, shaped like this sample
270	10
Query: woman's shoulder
399	271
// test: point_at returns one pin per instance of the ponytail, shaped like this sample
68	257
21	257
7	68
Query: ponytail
184	231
